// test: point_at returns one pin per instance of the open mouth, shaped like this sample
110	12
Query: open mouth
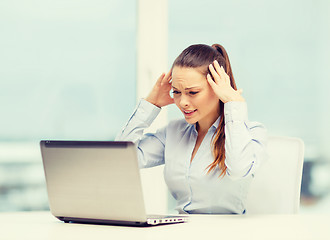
189	112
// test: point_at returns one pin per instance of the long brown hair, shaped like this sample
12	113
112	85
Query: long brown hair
201	56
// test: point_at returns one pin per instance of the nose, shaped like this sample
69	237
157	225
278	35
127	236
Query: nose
184	102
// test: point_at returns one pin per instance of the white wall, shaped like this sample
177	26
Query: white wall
151	62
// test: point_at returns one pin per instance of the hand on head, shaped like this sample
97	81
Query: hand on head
160	94
220	83
198	56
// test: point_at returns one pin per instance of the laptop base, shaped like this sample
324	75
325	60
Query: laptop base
150	222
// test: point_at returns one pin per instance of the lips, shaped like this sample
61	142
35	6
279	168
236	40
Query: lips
189	112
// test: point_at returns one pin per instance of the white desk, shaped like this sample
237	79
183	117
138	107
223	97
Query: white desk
42	225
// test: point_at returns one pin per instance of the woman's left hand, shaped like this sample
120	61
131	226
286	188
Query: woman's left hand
221	84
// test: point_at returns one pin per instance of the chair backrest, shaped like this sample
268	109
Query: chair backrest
276	186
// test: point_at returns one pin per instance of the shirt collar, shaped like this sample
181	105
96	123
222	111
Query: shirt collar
216	123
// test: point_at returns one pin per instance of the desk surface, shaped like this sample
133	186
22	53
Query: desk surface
42	225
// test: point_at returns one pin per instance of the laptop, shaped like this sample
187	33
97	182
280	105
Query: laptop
96	182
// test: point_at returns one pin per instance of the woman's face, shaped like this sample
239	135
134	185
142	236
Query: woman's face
194	96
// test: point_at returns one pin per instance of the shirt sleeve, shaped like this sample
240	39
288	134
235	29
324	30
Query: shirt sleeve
245	142
150	146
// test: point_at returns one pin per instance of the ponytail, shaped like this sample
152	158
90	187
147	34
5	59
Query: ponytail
218	142
227	66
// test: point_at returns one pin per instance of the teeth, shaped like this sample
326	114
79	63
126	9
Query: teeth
189	111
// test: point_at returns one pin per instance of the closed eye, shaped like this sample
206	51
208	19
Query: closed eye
192	93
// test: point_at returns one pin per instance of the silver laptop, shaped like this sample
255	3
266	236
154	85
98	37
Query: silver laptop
96	182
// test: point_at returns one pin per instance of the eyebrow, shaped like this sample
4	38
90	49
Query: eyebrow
187	88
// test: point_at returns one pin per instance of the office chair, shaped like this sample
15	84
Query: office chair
275	188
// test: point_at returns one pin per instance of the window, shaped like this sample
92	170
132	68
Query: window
65	66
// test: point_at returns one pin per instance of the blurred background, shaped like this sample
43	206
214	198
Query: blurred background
72	69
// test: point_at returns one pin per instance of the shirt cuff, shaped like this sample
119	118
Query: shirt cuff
146	111
235	111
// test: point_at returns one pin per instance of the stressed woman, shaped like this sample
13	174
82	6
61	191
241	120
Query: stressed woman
211	155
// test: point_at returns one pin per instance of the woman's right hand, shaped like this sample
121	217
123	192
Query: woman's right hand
160	93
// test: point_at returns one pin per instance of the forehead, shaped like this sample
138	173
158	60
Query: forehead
187	77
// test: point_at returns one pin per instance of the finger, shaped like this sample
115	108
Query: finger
160	79
167	78
220	71
215	75
217	67
210	81
224	75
